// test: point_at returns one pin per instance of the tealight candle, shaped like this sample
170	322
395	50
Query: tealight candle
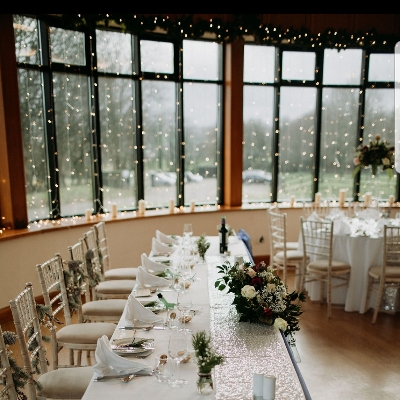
114	210
171	206
318	197
88	214
391	200
269	387
192	206
342	197
292	201
142	207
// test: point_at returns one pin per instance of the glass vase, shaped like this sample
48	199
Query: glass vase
205	383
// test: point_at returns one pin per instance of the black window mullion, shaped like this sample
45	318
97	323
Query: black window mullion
50	125
93	78
361	111
318	122
138	118
180	142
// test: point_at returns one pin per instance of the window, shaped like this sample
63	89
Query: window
130	119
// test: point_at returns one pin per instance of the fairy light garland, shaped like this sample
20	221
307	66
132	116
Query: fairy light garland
238	26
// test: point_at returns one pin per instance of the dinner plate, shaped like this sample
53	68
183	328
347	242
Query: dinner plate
123	348
162	260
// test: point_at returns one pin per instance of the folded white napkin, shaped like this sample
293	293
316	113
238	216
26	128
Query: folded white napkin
111	364
136	311
162	237
150	265
160	248
341	227
145	279
314	217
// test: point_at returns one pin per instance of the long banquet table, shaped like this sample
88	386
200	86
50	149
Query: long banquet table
248	348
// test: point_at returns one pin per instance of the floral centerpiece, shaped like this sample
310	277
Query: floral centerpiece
261	296
378	153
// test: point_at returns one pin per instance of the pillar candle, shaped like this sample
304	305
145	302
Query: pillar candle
114	210
391	200
171	206
142	207
88	214
367	198
342	196
192	206
318	197
269	387
292	201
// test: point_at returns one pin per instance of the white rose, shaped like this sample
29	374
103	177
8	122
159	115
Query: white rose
385	161
280	324
271	287
248	291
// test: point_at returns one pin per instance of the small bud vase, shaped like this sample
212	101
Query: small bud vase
205	383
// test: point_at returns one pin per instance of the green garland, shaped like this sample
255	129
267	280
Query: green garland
237	26
73	278
92	270
19	375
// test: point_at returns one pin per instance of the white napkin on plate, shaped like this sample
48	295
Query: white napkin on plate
341	227
150	265
136	311
145	279
162	237
110	364
160	248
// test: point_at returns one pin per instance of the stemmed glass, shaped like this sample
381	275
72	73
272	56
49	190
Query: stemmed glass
187	234
178	350
184	304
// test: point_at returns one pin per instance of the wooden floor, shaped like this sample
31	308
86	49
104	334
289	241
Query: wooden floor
345	357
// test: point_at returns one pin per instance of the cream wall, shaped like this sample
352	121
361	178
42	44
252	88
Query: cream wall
128	238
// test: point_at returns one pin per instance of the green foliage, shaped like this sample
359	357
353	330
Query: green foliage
206	357
74	278
202	246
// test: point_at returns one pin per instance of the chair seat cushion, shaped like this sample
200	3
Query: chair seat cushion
291	255
118	286
322	265
120	273
390	272
65	383
112	307
85	333
289	246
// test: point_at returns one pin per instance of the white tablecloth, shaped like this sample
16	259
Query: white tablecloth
248	347
361	252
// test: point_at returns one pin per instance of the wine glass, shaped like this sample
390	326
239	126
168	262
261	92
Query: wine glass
178	350
187	233
184	303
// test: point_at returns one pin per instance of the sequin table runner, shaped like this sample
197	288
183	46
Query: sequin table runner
248	348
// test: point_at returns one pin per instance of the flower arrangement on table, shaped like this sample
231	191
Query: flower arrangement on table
261	296
378	153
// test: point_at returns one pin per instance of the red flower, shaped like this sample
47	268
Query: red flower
256	281
268	312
